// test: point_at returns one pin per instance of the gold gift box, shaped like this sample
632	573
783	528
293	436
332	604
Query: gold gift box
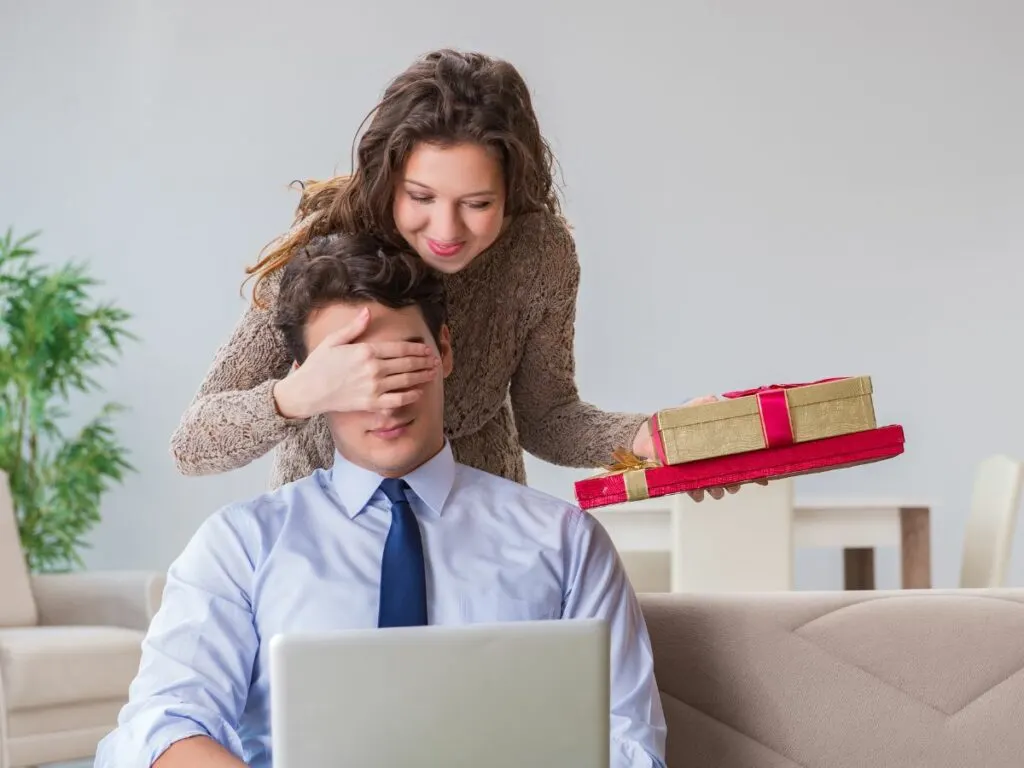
734	425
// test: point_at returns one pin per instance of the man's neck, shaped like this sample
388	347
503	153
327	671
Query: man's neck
392	472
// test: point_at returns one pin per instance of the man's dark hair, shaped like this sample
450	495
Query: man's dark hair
354	269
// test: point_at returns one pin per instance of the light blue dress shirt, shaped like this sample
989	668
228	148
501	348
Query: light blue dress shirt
306	557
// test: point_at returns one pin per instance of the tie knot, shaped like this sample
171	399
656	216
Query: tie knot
394	488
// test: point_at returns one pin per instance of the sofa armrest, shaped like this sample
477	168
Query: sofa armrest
106	598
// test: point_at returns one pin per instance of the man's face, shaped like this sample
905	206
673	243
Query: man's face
396	441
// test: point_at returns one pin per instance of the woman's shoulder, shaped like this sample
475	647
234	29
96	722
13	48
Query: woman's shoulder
541	245
544	233
539	258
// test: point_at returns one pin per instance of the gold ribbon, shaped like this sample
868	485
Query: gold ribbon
632	466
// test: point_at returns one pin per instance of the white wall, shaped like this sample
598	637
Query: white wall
761	192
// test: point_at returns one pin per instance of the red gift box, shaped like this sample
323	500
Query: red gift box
649	480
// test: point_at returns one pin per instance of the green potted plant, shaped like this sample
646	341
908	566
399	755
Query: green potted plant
52	335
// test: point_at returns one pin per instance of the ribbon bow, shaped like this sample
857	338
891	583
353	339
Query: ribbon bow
630	466
627	461
775	387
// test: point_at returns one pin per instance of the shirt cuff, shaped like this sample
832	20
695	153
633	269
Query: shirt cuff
139	742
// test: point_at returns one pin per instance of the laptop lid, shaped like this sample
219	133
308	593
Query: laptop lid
511	694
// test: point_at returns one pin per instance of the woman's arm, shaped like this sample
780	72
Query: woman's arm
233	418
553	423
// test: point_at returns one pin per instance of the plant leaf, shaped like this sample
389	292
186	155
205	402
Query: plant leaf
53	335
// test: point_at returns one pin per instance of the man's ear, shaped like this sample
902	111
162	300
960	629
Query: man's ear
444	347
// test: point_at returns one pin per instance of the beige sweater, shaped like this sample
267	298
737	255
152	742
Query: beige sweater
511	314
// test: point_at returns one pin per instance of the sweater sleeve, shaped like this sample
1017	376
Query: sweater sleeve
233	419
553	423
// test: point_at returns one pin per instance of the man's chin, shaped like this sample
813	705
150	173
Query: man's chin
396	456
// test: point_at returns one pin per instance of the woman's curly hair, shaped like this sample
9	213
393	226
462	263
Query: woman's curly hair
446	97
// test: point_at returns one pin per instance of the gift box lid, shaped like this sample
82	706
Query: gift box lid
743	403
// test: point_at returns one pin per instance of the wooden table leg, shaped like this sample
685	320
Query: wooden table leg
859	568
915	529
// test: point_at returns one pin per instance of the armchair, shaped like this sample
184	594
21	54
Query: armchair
70	645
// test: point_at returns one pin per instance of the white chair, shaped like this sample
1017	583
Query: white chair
648	570
70	645
993	518
740	543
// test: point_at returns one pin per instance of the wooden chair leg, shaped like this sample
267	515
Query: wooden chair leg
916	550
859	568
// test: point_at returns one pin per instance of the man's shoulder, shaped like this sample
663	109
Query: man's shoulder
505	493
268	508
238	535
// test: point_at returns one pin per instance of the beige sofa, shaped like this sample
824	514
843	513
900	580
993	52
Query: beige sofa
930	679
69	648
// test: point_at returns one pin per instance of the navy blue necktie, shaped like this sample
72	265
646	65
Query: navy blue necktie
403	582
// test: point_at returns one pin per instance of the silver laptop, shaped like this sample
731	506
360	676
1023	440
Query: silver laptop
525	693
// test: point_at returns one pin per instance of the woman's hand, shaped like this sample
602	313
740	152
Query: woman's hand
643	446
339	375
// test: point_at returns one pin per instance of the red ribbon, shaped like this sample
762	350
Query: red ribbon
773	387
774	410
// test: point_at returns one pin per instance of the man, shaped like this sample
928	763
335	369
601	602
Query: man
396	533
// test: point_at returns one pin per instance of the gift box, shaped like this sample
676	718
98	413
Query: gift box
633	479
766	417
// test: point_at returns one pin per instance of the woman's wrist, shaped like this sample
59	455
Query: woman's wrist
643	443
288	400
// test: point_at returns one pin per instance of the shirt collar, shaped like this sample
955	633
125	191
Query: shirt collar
432	482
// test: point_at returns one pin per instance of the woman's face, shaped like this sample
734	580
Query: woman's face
450	203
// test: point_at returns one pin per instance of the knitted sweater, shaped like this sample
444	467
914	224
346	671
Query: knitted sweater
511	315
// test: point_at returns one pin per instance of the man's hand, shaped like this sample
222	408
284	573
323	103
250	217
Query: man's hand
197	752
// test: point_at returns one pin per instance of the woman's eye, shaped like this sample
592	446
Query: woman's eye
479	206
420	198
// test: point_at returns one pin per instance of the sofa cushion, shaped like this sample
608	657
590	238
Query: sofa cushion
63	734
17	606
903	679
48	666
63	718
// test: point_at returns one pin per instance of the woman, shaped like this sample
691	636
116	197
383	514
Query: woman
453	165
